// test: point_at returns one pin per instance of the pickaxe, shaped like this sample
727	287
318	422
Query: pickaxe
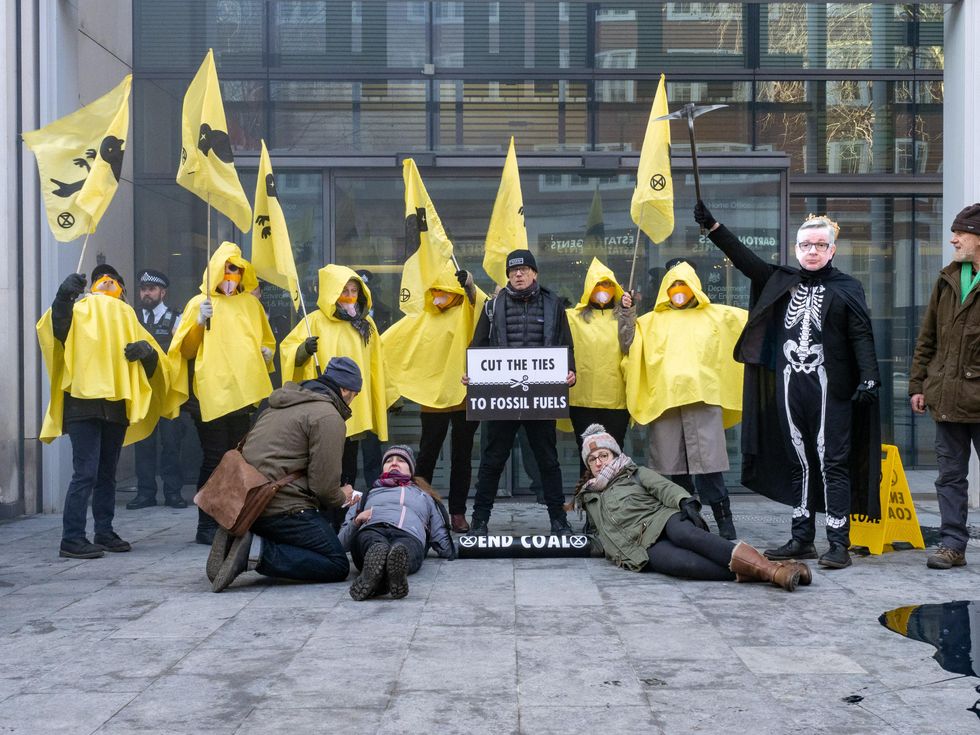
689	112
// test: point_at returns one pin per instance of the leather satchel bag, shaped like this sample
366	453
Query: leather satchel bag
237	493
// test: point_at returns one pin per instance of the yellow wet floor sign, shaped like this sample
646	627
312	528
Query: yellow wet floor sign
898	519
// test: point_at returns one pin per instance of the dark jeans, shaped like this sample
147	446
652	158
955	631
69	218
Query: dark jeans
435	426
165	439
95	447
952	487
684	550
616	421
500	440
371	458
710	486
217	437
301	546
368	536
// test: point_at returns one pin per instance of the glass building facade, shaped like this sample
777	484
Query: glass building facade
831	107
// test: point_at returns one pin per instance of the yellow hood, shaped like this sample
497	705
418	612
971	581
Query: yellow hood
225	252
332	279
598	272
681	272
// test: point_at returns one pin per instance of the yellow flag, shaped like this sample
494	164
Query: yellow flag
207	165
79	161
272	252
424	233
506	231
652	208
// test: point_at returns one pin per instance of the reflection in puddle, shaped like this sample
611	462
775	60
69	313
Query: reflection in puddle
952	627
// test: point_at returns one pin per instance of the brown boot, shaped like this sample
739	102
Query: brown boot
806	576
750	565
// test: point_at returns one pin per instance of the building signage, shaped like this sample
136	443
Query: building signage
511	384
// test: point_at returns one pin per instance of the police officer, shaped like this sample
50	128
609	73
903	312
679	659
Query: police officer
159	320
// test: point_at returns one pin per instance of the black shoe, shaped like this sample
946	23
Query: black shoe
234	564
80	549
398	572
836	558
174	501
560	527
478	527
792	549
204	536
141	501
219	552
372	570
722	511
111	542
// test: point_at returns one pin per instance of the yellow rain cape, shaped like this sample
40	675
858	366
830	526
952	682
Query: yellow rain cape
91	364
600	382
338	338
425	353
683	356
229	370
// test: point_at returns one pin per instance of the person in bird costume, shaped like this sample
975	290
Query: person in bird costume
811	437
425	356
343	327
108	384
221	357
599	393
682	380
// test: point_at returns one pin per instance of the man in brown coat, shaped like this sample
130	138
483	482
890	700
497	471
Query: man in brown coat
303	429
946	379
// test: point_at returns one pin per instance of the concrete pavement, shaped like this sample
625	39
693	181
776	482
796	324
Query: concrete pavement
137	643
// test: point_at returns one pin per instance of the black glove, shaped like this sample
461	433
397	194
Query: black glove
690	508
138	350
866	393
703	217
462	276
72	287
310	345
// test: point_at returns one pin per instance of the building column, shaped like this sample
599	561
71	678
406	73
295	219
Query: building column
961	144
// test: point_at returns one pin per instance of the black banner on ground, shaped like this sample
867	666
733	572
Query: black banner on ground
524	547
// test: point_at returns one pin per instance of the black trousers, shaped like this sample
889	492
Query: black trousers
217	437
435	426
684	550
710	486
817	431
500	440
616	421
382	533
952	488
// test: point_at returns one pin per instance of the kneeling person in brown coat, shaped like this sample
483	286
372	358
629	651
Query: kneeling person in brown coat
303	428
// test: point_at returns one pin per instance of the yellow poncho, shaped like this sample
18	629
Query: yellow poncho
229	370
600	382
682	356
425	353
92	364
338	338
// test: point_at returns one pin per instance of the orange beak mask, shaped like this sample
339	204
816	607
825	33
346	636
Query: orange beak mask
107	286
680	295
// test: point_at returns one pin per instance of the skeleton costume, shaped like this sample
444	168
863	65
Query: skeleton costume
807	347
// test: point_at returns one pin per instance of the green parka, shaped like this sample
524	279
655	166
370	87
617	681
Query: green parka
630	514
946	363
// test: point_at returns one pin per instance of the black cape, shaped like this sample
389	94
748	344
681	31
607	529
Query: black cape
850	360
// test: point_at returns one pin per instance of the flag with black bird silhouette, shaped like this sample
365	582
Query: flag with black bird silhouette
424	234
506	231
652	208
79	161
207	165
272	251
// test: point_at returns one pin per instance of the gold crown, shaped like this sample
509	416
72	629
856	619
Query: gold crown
824	220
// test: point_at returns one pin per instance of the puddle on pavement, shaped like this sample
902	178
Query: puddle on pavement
953	628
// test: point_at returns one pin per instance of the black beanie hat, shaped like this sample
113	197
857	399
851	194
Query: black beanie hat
518	258
968	220
104	269
344	372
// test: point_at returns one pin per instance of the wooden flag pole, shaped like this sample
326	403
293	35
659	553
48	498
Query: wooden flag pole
309	332
81	257
207	267
636	251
